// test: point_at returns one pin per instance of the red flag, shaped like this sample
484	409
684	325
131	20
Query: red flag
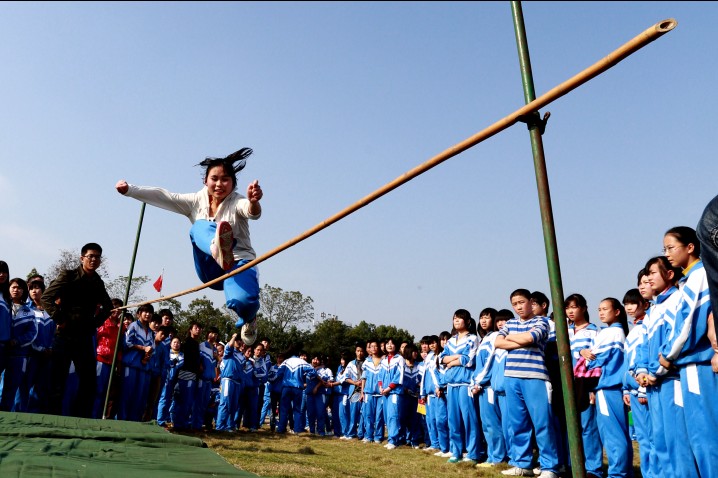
158	284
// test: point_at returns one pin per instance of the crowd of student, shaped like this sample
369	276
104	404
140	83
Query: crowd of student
487	392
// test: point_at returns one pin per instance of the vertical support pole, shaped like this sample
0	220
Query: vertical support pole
549	233
127	298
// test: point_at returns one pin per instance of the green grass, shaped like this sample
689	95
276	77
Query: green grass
306	456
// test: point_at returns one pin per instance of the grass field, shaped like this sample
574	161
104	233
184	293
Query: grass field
307	456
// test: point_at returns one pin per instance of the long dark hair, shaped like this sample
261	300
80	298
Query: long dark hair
5	286
622	315
228	164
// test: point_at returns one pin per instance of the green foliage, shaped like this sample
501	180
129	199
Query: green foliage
330	339
33	272
285	309
117	288
206	314
71	260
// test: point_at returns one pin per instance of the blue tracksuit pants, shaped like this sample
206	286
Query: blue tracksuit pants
392	409
464	423
612	420
229	392
490	414
699	386
528	407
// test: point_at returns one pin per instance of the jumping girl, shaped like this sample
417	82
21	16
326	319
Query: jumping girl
220	231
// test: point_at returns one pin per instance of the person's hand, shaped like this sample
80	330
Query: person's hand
587	354
643	400
592	398
627	399
714	363
122	186
664	363
254	191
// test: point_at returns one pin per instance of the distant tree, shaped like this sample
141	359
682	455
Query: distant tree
203	311
117	288
173	305
400	335
330	338
283	310
70	260
361	333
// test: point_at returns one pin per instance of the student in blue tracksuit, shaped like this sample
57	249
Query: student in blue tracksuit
432	392
343	406
275	380
410	421
208	365
138	347
581	335
334	396
689	348
22	332
254	374
608	353
5	315
175	361
670	436
316	398
489	357
528	389
634	395
391	387
39	365
352	380
230	388
294	371
373	410
157	365
459	357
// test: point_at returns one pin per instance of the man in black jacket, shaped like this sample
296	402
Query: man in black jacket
78	303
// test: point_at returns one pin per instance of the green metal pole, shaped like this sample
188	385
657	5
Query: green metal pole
127	297
549	233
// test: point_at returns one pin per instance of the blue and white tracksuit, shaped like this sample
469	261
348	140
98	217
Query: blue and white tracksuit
592	451
248	413
639	411
353	424
230	389
391	376
173	363
437	421
40	365
464	422
135	381
15	383
487	358
203	391
665	398
317	402
295	372
689	349
611	413
411	428
529	395
373	410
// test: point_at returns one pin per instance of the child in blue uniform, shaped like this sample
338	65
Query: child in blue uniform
689	349
488	358
23	332
433	392
607	353
230	388
373	410
634	395
294	371
39	365
581	335
410	421
528	390
391	387
138	347
208	358
459	357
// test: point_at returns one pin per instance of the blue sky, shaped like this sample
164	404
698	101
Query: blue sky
338	99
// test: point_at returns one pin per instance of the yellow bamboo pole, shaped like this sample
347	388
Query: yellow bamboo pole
612	59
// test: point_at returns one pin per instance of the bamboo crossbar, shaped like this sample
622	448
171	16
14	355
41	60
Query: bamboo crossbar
612	59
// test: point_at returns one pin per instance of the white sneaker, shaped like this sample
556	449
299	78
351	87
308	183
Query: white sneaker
548	474
390	446
439	453
365	440
249	332
429	448
221	246
387	445
537	471
516	471
447	454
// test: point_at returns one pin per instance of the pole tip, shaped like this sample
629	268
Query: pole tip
666	25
